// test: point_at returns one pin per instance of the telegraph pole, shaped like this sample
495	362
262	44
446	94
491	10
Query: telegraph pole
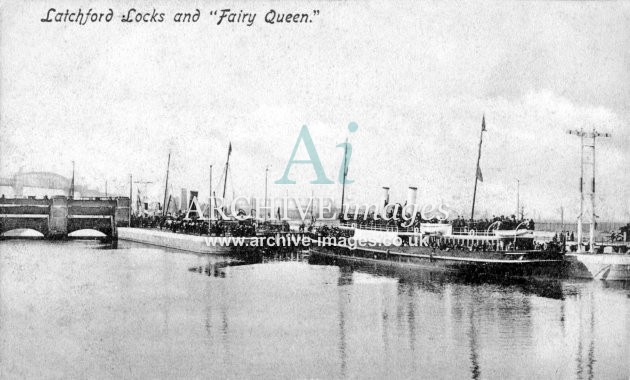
583	162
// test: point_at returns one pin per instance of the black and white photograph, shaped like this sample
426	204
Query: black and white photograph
335	189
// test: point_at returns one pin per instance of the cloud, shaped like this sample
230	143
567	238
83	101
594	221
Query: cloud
417	79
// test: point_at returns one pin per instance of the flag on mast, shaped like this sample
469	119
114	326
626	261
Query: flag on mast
483	129
479	175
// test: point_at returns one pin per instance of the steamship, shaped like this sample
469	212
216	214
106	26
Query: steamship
445	246
495	249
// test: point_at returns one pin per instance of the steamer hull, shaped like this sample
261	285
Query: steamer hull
519	264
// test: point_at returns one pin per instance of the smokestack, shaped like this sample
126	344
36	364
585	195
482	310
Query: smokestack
183	205
412	194
385	195
384	199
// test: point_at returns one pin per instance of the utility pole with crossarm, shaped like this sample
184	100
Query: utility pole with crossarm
592	136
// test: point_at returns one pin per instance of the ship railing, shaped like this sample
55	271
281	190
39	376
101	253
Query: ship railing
461	231
377	227
607	240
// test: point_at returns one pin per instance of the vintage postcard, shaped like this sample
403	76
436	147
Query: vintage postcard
306	189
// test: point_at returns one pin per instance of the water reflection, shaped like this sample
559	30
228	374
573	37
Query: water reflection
146	312
217	266
504	305
102	244
436	281
586	349
474	361
345	278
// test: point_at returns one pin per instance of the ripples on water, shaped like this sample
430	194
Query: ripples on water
82	309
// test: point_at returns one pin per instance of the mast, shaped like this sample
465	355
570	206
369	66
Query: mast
168	204
227	165
266	175
130	197
478	170
580	218
210	209
285	205
591	240
168	167
518	197
345	173
312	206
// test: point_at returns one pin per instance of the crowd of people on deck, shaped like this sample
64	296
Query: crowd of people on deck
622	236
483	246
196	226
555	245
336	232
499	222
180	224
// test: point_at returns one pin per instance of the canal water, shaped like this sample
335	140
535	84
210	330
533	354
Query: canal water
81	309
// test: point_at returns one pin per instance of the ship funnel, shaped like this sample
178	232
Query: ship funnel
183	205
384	198
412	194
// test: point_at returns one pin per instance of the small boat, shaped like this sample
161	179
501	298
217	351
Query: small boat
512	233
610	261
187	242
603	266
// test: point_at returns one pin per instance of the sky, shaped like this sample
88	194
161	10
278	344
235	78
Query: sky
416	77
